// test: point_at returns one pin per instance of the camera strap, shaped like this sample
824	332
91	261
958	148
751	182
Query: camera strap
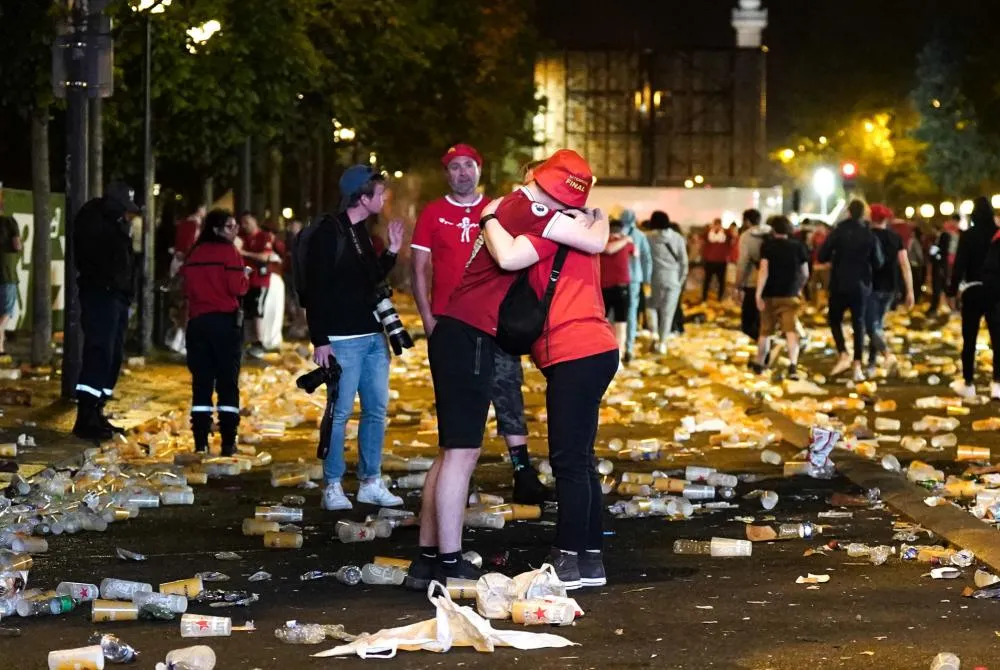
362	248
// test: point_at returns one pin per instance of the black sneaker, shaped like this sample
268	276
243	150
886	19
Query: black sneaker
756	368
591	566
528	490
567	567
793	373
420	573
460	569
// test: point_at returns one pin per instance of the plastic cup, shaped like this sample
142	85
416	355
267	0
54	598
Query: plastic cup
8	450
517	512
81	658
121	589
730	548
967	453
537	612
283	540
113	610
29	545
78	591
387	561
189	588
197	625
461	589
176	604
259	527
768	500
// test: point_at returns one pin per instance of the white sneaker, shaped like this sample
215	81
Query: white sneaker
334	498
661	348
374	492
858	375
995	391
842	365
965	390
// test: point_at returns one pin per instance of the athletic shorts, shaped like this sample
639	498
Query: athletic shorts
616	303
253	302
462	360
779	311
508	399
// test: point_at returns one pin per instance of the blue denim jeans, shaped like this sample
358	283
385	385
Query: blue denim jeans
878	305
365	363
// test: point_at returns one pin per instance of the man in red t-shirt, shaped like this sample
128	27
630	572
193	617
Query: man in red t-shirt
442	242
187	234
257	248
715	254
615	278
462	352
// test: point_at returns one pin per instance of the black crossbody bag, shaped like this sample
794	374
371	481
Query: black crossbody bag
523	314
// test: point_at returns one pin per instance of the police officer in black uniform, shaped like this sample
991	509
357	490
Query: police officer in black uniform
104	262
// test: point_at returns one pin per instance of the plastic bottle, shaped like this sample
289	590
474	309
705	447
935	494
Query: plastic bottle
483	519
699	492
415	481
717	546
382	528
791	531
419	463
382	574
946	661
44	606
115	650
770	457
121	589
350	531
885	424
189	658
944	441
296	633
175	603
349	575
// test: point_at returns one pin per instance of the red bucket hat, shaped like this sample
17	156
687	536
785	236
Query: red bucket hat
880	213
461	151
566	177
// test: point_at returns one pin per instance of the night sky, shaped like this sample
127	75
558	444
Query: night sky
826	57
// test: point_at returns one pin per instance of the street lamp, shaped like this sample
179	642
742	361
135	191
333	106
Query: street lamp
995	201
927	210
910	211
824	183
947	208
966	207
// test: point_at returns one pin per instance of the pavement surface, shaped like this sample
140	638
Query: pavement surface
659	609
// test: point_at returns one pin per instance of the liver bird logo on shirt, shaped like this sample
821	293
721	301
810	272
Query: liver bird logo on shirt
465	225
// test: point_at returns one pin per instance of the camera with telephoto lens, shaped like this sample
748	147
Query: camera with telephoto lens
313	379
387	315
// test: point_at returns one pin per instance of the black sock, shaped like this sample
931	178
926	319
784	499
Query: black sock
519	457
450	559
428	552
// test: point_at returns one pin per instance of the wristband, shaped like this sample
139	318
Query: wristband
486	219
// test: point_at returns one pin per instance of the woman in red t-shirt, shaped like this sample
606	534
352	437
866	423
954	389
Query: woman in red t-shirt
578	354
615	278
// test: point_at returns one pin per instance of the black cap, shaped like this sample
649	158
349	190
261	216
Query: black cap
120	193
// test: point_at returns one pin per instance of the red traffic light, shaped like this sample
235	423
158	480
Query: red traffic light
849	169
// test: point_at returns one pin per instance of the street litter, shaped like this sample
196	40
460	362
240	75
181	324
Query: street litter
813	579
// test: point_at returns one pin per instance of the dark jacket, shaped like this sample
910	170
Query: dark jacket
103	247
337	289
973	246
855	253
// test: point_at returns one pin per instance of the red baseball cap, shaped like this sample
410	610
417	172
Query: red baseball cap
461	151
880	213
566	177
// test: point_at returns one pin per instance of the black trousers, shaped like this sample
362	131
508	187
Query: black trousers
103	319
939	279
214	351
976	304
857	302
749	314
573	399
718	271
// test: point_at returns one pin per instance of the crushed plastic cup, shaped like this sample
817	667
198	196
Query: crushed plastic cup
768	500
121	589
175	603
891	463
770	457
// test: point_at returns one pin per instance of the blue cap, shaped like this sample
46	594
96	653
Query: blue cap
354	179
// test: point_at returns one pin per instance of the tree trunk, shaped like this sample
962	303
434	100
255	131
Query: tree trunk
41	244
274	163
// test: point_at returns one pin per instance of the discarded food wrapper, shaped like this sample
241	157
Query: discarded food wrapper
228	556
453	626
813	579
127	555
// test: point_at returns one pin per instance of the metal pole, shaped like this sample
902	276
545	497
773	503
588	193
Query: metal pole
76	193
96	123
148	218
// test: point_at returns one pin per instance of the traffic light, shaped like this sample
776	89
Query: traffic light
849	174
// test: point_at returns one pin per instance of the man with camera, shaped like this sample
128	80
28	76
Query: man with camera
443	239
342	287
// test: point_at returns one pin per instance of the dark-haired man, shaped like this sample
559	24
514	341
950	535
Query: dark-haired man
751	241
784	269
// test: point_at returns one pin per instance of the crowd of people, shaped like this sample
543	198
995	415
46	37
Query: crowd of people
534	273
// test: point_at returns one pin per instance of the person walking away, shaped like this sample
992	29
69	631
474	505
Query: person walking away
443	240
272	321
784	270
215	278
751	241
461	351
967	285
885	285
10	252
854	254
615	279
819	273
668	250
942	253
918	262
715	253
104	261
256	246
341	283
640	273
578	356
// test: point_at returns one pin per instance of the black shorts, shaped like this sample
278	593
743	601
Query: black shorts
253	302
462	359
616	303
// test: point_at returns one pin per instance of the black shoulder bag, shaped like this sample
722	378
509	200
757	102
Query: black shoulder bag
522	314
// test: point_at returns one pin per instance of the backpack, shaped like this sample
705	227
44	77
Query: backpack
301	256
522	314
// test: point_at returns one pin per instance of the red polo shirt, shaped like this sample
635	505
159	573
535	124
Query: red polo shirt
447	230
261	242
614	267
